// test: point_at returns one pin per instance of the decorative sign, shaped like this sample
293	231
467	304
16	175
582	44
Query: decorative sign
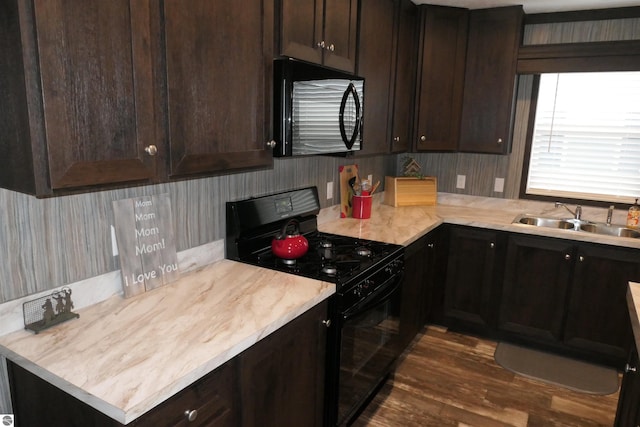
144	232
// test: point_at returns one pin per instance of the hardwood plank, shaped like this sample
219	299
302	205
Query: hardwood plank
450	379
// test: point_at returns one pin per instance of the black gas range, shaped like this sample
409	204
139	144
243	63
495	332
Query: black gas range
363	337
253	223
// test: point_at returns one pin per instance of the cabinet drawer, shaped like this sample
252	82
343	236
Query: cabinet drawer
211	397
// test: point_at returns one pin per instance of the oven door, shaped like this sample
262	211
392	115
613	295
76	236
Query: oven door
369	344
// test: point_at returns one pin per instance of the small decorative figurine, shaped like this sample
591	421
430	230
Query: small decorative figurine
39	314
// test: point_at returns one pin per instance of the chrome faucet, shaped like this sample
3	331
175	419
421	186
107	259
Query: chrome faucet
610	214
576	214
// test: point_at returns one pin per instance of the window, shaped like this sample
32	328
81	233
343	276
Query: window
586	138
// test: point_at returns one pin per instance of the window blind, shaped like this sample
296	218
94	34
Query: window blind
586	140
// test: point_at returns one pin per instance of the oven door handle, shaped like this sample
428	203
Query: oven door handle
376	298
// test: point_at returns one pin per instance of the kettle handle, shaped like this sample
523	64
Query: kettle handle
283	231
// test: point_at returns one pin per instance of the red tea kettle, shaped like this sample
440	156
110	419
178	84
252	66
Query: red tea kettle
289	246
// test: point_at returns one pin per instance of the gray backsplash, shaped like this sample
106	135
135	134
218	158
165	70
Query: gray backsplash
52	242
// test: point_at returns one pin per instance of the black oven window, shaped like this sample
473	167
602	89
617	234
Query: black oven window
368	347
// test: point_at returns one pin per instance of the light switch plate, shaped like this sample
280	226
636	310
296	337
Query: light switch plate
329	190
461	181
498	187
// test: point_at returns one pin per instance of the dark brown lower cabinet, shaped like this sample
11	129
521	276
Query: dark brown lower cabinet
597	316
473	273
569	296
628	413
535	287
282	376
420	273
277	382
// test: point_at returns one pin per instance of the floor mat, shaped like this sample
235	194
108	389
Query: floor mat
569	373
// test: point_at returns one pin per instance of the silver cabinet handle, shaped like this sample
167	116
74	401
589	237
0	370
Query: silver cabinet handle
581	258
499	141
629	368
431	245
151	150
396	139
567	257
327	322
271	144
321	44
423	138
492	245
191	414
331	47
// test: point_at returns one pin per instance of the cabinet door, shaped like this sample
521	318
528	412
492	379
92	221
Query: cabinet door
418	272
471	276
535	287
376	65
219	71
441	77
301	29
405	72
489	88
340	34
212	398
628	412
282	376
97	90
597	317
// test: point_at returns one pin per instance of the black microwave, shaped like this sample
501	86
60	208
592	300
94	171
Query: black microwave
317	110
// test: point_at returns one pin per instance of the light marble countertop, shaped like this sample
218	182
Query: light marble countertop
176	334
404	225
126	356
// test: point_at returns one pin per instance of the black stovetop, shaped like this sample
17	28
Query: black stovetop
331	258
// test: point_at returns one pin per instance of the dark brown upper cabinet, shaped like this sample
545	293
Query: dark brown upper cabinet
322	32
405	77
489	87
443	46
386	59
92	92
376	64
219	73
79	107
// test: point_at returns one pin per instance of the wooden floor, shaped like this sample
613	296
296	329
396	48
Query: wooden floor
448	379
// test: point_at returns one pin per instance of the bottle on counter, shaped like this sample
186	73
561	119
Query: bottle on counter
633	217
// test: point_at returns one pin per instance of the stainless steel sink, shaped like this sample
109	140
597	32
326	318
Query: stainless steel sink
610	230
578	225
545	222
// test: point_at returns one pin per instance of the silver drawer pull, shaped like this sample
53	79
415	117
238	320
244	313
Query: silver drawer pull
191	414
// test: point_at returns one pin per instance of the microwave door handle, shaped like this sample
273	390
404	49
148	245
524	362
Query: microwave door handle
349	141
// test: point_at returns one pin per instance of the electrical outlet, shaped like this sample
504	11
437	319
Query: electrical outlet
461	181
329	190
498	187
